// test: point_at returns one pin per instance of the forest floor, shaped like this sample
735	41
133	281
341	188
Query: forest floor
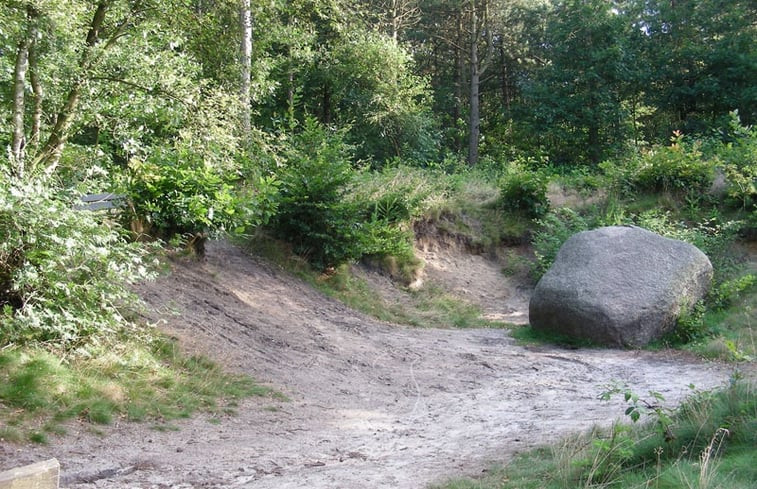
370	404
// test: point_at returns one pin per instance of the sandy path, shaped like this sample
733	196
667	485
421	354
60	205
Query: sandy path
372	405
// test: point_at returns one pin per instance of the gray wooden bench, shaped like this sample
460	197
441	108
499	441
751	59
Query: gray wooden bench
97	202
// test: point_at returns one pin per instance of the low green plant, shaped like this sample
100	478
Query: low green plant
678	168
738	156
135	377
726	292
690	326
312	212
175	195
651	408
554	229
527	335
524	190
64	273
317	213
608	454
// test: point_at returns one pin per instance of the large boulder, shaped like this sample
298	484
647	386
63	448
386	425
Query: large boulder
619	286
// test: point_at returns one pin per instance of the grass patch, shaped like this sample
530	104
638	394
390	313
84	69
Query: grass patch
732	330
135	377
714	445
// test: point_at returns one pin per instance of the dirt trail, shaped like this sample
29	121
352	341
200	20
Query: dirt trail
372	405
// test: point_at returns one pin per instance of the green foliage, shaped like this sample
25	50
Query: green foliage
651	407
64	273
738	156
312	213
554	229
175	193
373	91
529	336
700	64
316	213
524	190
690	326
573	103
606	458
726	292
677	168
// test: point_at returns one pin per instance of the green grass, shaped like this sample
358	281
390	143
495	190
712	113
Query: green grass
715	446
136	377
731	331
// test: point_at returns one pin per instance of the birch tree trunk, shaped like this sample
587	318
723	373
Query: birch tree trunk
18	139
38	97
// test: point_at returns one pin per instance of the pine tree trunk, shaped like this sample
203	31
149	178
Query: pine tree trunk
246	85
474	121
459	81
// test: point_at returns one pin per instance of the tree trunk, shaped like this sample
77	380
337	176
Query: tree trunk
459	81
51	152
505	73
246	85
19	95
38	96
593	129
395	13
474	120
478	66
326	109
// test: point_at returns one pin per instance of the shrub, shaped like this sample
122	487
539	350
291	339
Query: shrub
677	168
174	193
554	230
524	191
63	273
680	168
739	159
312	212
317	214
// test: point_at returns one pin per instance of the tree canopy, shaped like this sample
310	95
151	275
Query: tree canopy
97	83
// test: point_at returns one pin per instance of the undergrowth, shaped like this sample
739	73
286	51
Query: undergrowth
128	378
